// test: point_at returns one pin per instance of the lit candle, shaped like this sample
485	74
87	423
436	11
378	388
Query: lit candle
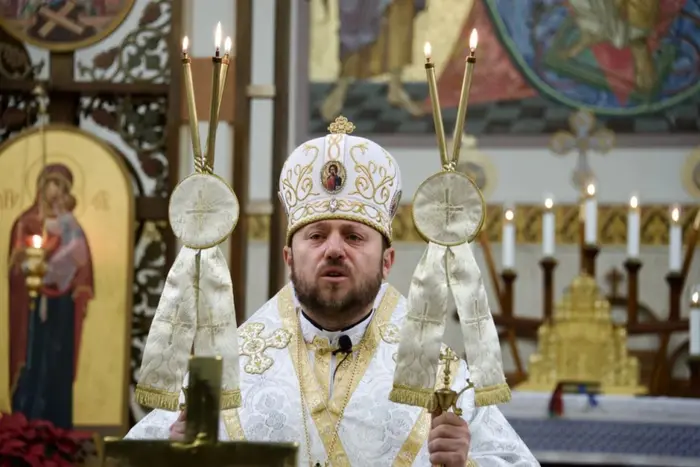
435	101
464	97
694	328
215	96
224	71
675	241
191	105
633	229
37	241
508	245
591	216
548	230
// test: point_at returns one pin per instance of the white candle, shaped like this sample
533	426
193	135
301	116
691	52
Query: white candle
675	241
548	229
694	328
591	216
508	240
633	229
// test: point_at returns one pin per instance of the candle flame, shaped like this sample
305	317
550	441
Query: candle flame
675	214
473	39
548	203
634	202
427	50
37	241
227	45
695	298
185	44
217	35
590	189
509	214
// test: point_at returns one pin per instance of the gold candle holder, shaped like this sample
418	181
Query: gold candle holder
435	101
204	160
191	105
35	266
216	91
464	97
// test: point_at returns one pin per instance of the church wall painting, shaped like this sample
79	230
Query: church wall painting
63	25
65	355
635	63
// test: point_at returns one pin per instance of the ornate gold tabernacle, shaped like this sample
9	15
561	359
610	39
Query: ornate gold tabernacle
582	344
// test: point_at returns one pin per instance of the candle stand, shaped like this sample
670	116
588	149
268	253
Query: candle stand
675	288
632	266
590	252
694	365
548	265
508	276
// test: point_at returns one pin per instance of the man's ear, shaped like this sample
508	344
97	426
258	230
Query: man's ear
388	261
287	255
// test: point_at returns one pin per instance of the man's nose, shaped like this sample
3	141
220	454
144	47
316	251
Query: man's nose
335	246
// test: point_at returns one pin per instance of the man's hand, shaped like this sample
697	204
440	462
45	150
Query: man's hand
449	440
177	429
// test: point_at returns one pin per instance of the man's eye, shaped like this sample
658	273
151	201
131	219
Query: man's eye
354	238
315	236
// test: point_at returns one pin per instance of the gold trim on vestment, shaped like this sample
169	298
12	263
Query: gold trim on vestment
322	363
232	423
154	397
421	429
492	395
324	421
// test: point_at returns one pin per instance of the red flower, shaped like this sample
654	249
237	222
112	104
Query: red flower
35	443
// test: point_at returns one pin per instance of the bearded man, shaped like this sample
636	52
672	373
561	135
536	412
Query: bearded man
317	360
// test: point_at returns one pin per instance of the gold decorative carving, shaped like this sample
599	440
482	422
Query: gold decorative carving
582	345
612	224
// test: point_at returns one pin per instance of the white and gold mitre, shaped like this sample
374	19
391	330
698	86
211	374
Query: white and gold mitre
340	176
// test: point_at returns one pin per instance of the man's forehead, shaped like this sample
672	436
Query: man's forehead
339	224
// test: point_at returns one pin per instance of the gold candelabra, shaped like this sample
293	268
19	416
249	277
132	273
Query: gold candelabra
204	160
445	398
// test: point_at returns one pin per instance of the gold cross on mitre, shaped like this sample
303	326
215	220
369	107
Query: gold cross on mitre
341	126
201	445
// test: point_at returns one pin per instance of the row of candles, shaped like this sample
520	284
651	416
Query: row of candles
590	219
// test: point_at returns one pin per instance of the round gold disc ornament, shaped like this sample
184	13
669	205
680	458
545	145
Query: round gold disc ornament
203	211
448	209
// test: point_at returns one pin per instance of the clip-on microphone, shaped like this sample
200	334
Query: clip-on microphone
344	345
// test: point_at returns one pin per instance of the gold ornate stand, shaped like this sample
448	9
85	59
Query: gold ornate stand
582	345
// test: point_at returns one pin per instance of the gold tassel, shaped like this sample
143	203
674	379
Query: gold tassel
492	395
418	397
157	398
472	463
230	399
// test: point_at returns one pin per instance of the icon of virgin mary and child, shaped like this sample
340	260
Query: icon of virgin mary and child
45	335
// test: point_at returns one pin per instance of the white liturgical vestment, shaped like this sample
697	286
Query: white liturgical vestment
281	375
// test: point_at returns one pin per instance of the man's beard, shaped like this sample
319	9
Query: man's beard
357	299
